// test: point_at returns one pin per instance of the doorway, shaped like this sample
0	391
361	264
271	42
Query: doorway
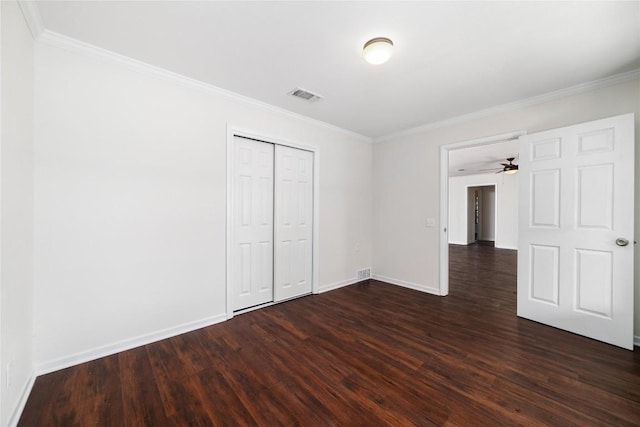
450	217
481	214
573	186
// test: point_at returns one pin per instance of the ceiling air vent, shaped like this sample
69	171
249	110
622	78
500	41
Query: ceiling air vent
305	94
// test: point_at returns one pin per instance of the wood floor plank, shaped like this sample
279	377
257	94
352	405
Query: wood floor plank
142	405
107	391
370	354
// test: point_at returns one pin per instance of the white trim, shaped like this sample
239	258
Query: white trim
32	16
237	131
89	50
444	197
337	285
636	340
39	33
316	222
268	304
405	284
24	396
128	344
228	276
2	296
459	243
513	248
527	102
444	223
255	307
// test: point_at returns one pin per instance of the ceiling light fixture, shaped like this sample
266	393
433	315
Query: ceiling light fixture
378	50
509	168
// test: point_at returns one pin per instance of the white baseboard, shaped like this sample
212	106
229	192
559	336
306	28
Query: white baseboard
109	349
636	340
410	285
17	411
337	285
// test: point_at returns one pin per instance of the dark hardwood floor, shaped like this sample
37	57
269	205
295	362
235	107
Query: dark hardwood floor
370	354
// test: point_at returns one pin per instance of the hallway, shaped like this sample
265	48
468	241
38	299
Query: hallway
483	274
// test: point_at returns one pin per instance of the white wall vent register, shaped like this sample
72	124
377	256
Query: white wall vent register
305	94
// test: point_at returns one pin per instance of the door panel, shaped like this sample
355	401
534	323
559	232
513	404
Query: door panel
293	224
545	198
252	223
594	286
577	197
544	273
595	196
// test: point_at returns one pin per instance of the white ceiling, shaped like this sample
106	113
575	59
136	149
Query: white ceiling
482	159
450	58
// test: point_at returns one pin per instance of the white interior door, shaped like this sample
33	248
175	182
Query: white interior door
252	223
294	222
575	247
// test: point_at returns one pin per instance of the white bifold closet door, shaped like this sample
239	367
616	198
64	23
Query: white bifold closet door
252	223
272	223
293	222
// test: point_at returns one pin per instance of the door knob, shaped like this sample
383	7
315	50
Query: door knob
621	242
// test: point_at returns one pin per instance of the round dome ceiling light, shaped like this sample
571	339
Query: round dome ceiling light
378	50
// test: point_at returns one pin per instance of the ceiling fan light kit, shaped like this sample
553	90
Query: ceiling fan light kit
509	168
378	50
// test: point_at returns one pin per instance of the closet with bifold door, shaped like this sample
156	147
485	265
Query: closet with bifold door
271	223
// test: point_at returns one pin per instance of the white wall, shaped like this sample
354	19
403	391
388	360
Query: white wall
130	172
470	213
488	214
506	193
406	180
16	210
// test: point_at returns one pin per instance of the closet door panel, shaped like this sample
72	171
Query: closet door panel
293	222
252	223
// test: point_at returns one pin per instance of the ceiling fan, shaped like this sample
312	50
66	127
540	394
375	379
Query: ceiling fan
509	168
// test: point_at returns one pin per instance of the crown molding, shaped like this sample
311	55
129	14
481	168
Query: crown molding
32	16
34	21
85	49
539	99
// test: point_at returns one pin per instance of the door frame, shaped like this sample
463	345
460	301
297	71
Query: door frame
233	131
444	196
